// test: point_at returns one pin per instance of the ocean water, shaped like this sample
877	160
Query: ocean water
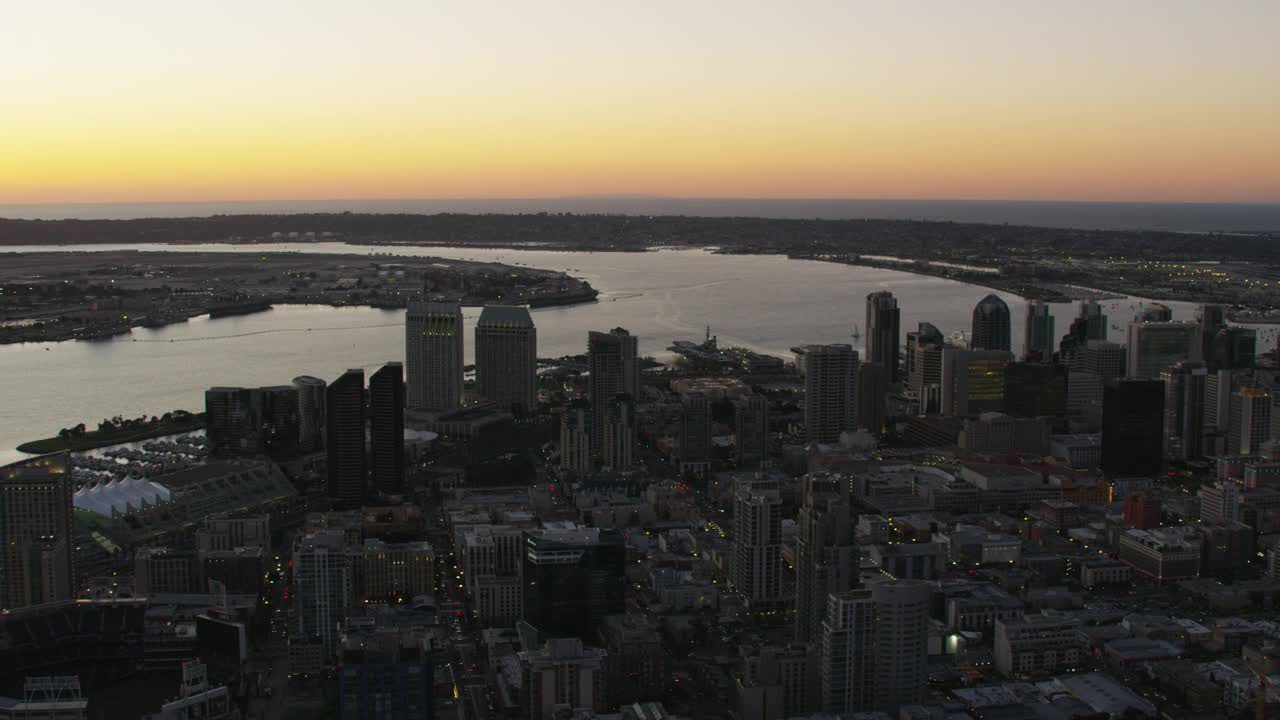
764	302
1178	217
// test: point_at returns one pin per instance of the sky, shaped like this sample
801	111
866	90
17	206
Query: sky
1164	100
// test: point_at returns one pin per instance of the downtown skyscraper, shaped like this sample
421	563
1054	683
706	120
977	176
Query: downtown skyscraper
830	380
826	554
611	358
344	441
36	545
991	325
433	356
507	358
386	428
883	325
1038	340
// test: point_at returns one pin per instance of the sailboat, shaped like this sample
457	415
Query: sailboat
857	334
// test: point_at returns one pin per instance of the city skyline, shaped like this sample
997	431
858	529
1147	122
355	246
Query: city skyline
1147	101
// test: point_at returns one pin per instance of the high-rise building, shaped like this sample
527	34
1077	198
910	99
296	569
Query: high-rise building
1154	312
925	334
433	356
694	446
1250	421
1034	390
491	561
991	325
575	437
386	428
611	359
1142	510
1084	401
830	374
394	572
1212	318
1217	410
572	579
507	358
751	431
873	387
619	432
324	586
883	317
344	408
1154	346
1095	320
875	647
1103	358
1132	428
1232	348
1220	503
1038	339
311	416
252	421
36	546
826	553
385	673
973	381
1184	410
563	673
755	568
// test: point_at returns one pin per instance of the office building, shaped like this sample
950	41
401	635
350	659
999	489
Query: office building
1250	421
386	428
883	317
252	421
228	531
385	673
973	381
611	359
1220	503
1038	339
873	387
1038	645
694	443
637	664
875	647
1232	348
241	570
830	374
324	587
167	570
393	572
1210	319
1184	410
826	552
1095	321
507	358
1035	390
618	430
433	356
36	546
344	408
1162	554
997	432
311	414
1154	346
1133	428
755	568
1154	313
563	673
491	561
572	579
1104	359
575	437
914	374
1142	510
991	325
751	431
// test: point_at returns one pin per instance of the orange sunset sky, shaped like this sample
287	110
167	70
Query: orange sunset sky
1133	100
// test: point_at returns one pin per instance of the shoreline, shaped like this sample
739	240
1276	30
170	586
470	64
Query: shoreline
94	440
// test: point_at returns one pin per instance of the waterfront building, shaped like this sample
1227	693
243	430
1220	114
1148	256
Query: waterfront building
914	373
344	407
507	358
830	374
883	317
991	325
36	545
311	414
386	428
433	356
1232	348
